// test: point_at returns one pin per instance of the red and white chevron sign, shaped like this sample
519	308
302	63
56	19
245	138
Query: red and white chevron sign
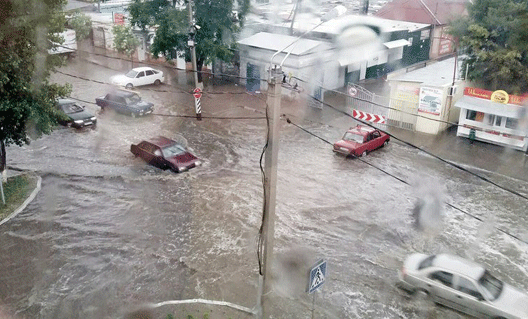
368	117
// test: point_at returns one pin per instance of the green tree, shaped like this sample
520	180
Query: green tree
27	105
124	40
216	38
82	24
495	35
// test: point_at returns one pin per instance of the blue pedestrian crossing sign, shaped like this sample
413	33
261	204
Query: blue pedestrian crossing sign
317	276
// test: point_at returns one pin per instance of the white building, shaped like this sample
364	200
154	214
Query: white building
306	59
493	117
422	100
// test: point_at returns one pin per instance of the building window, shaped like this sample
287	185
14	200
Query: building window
491	119
475	116
498	121
470	115
511	123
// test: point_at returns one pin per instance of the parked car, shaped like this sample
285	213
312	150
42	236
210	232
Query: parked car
75	114
125	102
360	140
462	284
165	153
138	76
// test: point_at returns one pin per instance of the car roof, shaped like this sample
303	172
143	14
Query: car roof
161	141
65	101
123	92
142	68
363	130
459	265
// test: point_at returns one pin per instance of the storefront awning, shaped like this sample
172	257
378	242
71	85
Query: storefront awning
396	43
488	106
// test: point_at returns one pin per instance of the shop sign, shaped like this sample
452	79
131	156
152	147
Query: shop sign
430	100
119	19
499	96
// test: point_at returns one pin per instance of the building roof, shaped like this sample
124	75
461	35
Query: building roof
436	74
276	42
435	12
488	106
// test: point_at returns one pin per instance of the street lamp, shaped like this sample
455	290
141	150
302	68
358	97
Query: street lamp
271	153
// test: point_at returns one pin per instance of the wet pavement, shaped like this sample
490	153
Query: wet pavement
108	233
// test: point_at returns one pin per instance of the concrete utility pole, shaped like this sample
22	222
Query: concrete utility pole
191	43
192	32
270	186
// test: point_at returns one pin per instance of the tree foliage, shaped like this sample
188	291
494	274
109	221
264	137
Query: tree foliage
495	36
82	24
27	105
218	23
124	40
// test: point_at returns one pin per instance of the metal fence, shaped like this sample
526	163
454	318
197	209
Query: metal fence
398	112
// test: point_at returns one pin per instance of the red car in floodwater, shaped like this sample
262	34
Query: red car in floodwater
360	140
165	153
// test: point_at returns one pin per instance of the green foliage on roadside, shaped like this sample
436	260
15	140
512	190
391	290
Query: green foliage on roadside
495	36
29	30
124	40
16	190
219	21
82	24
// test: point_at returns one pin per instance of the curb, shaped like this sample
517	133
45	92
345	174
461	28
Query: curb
25	203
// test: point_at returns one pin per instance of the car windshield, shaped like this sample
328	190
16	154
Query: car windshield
131	74
427	262
72	108
491	284
132	99
354	137
173	150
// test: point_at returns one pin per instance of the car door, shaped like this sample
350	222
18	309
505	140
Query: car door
150	77
441	288
370	143
141	78
468	297
376	139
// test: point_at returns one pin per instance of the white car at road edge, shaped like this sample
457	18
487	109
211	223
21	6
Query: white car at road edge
462	284
138	77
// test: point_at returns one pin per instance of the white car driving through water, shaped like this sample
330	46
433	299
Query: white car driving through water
462	284
138	76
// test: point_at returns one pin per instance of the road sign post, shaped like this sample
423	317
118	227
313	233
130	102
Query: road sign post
197	93
316	279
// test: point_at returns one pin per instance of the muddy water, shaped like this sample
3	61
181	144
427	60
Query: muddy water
107	232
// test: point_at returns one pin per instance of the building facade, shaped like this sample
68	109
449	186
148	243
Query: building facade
493	117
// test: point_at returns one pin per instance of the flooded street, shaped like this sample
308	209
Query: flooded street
108	233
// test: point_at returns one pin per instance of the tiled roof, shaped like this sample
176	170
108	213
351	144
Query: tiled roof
435	12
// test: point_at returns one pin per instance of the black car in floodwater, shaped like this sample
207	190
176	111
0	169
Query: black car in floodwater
125	102
75	114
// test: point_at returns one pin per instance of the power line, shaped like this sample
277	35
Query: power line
425	151
192	116
368	124
407	183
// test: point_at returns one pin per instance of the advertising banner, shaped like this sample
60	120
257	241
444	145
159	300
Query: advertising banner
430	100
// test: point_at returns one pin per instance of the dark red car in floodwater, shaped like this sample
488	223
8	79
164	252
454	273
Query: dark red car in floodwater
165	153
360	140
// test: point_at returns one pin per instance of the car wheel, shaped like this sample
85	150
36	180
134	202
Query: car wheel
157	82
386	143
129	86
364	154
175	169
